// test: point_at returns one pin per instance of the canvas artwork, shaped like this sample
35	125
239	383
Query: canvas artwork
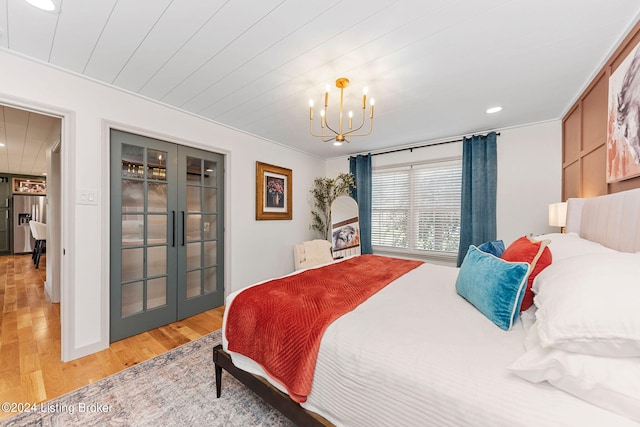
623	130
274	194
29	186
346	235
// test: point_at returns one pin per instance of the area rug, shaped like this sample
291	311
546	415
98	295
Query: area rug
175	388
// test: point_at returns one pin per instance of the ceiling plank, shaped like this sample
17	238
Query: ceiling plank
127	27
228	24
31	30
79	28
182	22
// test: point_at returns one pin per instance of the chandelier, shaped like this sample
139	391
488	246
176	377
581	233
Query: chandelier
340	135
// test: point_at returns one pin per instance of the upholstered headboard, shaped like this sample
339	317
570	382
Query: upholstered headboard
612	220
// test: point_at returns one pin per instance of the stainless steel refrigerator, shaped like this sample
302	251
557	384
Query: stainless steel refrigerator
25	209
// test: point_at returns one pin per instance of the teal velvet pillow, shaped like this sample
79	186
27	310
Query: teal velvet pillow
494	286
494	248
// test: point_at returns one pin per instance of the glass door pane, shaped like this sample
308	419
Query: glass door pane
202	181
144	190
194	226
143	272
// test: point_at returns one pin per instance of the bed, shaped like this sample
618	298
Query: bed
418	353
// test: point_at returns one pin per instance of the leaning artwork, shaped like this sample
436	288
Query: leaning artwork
623	131
346	235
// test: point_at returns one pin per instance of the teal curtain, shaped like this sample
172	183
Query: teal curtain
360	167
479	182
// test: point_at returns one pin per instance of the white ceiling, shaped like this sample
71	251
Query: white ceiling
433	66
26	137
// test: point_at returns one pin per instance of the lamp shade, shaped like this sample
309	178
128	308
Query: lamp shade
558	214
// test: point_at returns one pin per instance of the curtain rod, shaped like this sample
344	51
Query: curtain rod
421	146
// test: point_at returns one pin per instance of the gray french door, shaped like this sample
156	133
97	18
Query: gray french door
166	233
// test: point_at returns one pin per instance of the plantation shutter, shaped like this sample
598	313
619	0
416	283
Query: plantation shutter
436	202
390	208
417	207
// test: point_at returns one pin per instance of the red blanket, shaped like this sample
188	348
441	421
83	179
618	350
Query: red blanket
280	323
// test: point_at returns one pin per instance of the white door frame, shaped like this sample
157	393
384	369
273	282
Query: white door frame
67	210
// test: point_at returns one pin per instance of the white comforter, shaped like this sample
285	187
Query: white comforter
417	354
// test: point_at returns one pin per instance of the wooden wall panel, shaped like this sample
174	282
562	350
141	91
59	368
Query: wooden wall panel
625	48
584	133
571	181
571	136
594	177
594	115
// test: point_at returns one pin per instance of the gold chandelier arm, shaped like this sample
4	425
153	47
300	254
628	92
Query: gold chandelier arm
326	122
359	127
311	129
351	132
322	135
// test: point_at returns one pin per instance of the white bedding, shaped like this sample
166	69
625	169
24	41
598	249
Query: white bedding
417	353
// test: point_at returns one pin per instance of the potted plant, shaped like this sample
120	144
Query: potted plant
325	191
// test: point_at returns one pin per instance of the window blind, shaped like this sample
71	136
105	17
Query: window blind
417	207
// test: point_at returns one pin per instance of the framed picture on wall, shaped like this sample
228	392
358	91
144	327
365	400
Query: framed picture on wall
273	192
623	127
29	186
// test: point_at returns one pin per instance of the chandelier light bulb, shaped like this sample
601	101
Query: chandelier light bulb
322	112
372	102
365	90
311	103
337	143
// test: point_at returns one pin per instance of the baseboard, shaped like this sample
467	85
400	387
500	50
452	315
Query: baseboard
50	293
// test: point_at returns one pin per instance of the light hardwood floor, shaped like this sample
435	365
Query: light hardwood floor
30	366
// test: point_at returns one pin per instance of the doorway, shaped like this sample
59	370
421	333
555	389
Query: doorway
167	232
32	147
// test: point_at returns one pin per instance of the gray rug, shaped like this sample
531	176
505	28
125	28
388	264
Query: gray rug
176	388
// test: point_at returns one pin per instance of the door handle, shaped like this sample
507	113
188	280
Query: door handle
183	228
174	223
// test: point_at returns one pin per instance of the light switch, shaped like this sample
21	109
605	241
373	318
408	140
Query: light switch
87	197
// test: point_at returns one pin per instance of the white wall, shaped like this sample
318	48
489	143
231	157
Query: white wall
255	250
54	221
529	175
529	179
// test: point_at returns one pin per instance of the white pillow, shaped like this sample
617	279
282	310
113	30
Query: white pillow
589	304
565	245
610	383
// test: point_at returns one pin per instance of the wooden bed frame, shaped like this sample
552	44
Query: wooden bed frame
266	391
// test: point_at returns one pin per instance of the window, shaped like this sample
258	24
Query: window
416	208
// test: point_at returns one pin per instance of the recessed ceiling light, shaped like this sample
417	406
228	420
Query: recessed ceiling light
47	5
1	144
493	110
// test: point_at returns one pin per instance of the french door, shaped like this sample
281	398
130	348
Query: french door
167	232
